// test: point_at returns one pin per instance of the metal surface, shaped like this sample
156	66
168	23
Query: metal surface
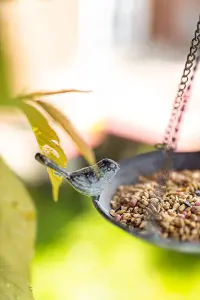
130	170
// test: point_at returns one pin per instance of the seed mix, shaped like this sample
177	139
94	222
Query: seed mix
174	206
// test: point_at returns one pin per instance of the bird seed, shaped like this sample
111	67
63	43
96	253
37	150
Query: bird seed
174	206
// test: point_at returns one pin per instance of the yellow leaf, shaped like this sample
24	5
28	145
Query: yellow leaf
82	146
48	142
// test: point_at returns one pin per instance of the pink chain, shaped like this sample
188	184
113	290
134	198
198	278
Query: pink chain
183	94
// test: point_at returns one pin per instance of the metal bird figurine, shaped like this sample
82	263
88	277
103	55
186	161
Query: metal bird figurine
89	181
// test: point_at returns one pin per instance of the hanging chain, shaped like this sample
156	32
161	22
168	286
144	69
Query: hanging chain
183	94
169	143
185	98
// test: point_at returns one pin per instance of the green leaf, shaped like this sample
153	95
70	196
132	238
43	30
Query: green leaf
5	97
17	237
66	124
12	285
48	142
17	222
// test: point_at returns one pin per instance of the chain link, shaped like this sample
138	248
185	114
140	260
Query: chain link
185	98
169	143
183	94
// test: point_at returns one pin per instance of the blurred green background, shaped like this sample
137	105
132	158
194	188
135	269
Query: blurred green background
78	254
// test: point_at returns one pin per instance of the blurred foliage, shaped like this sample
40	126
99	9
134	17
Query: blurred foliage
37	95
48	142
17	236
47	138
53	217
12	285
86	258
66	124
5	98
17	213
